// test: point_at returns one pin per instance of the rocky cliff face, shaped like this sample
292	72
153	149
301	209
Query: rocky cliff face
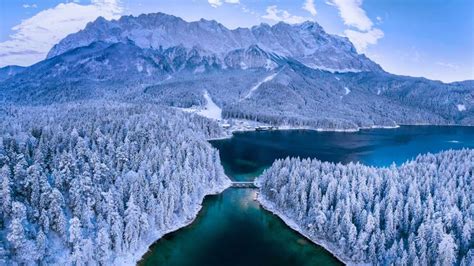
306	42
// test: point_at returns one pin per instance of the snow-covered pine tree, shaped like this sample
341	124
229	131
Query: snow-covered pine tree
75	167
417	213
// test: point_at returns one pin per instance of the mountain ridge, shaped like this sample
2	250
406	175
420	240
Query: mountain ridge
307	42
237	80
10	71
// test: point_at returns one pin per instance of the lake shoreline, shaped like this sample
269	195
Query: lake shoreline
139	255
231	132
268	206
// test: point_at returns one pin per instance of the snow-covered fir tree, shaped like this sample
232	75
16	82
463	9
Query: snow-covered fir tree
97	182
419	213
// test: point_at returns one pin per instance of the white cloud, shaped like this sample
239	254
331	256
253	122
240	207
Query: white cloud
362	39
309	6
33	37
447	65
275	14
217	3
29	6
352	13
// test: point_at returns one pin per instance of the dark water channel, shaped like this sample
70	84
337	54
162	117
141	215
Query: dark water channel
232	229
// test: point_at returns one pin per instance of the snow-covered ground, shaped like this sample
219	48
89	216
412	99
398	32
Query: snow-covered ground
210	110
270	65
461	107
199	69
333	70
346	90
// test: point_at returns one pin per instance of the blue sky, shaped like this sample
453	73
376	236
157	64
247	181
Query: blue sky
429	38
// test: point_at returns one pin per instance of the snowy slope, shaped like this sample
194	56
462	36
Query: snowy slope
209	109
254	88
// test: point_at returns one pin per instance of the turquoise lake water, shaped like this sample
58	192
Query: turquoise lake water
232	229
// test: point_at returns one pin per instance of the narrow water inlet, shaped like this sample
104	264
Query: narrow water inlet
233	229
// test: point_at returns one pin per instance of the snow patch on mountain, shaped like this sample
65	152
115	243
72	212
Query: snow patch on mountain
346	91
210	109
270	65
139	67
254	88
199	69
333	70
461	107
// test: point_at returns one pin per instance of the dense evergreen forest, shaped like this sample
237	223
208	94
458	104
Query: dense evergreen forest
98	182
419	213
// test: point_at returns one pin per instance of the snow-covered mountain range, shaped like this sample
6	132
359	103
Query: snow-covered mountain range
295	75
306	42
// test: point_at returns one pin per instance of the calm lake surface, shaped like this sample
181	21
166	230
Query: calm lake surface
232	229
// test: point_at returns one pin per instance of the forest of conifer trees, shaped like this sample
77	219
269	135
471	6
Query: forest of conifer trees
419	213
92	183
96	183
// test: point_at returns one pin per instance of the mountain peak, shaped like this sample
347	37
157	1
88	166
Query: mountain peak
311	25
157	15
210	22
306	42
261	25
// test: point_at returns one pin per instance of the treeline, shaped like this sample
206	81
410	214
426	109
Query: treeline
94	183
277	118
420	213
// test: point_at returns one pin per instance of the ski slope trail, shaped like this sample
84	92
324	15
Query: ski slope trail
254	88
